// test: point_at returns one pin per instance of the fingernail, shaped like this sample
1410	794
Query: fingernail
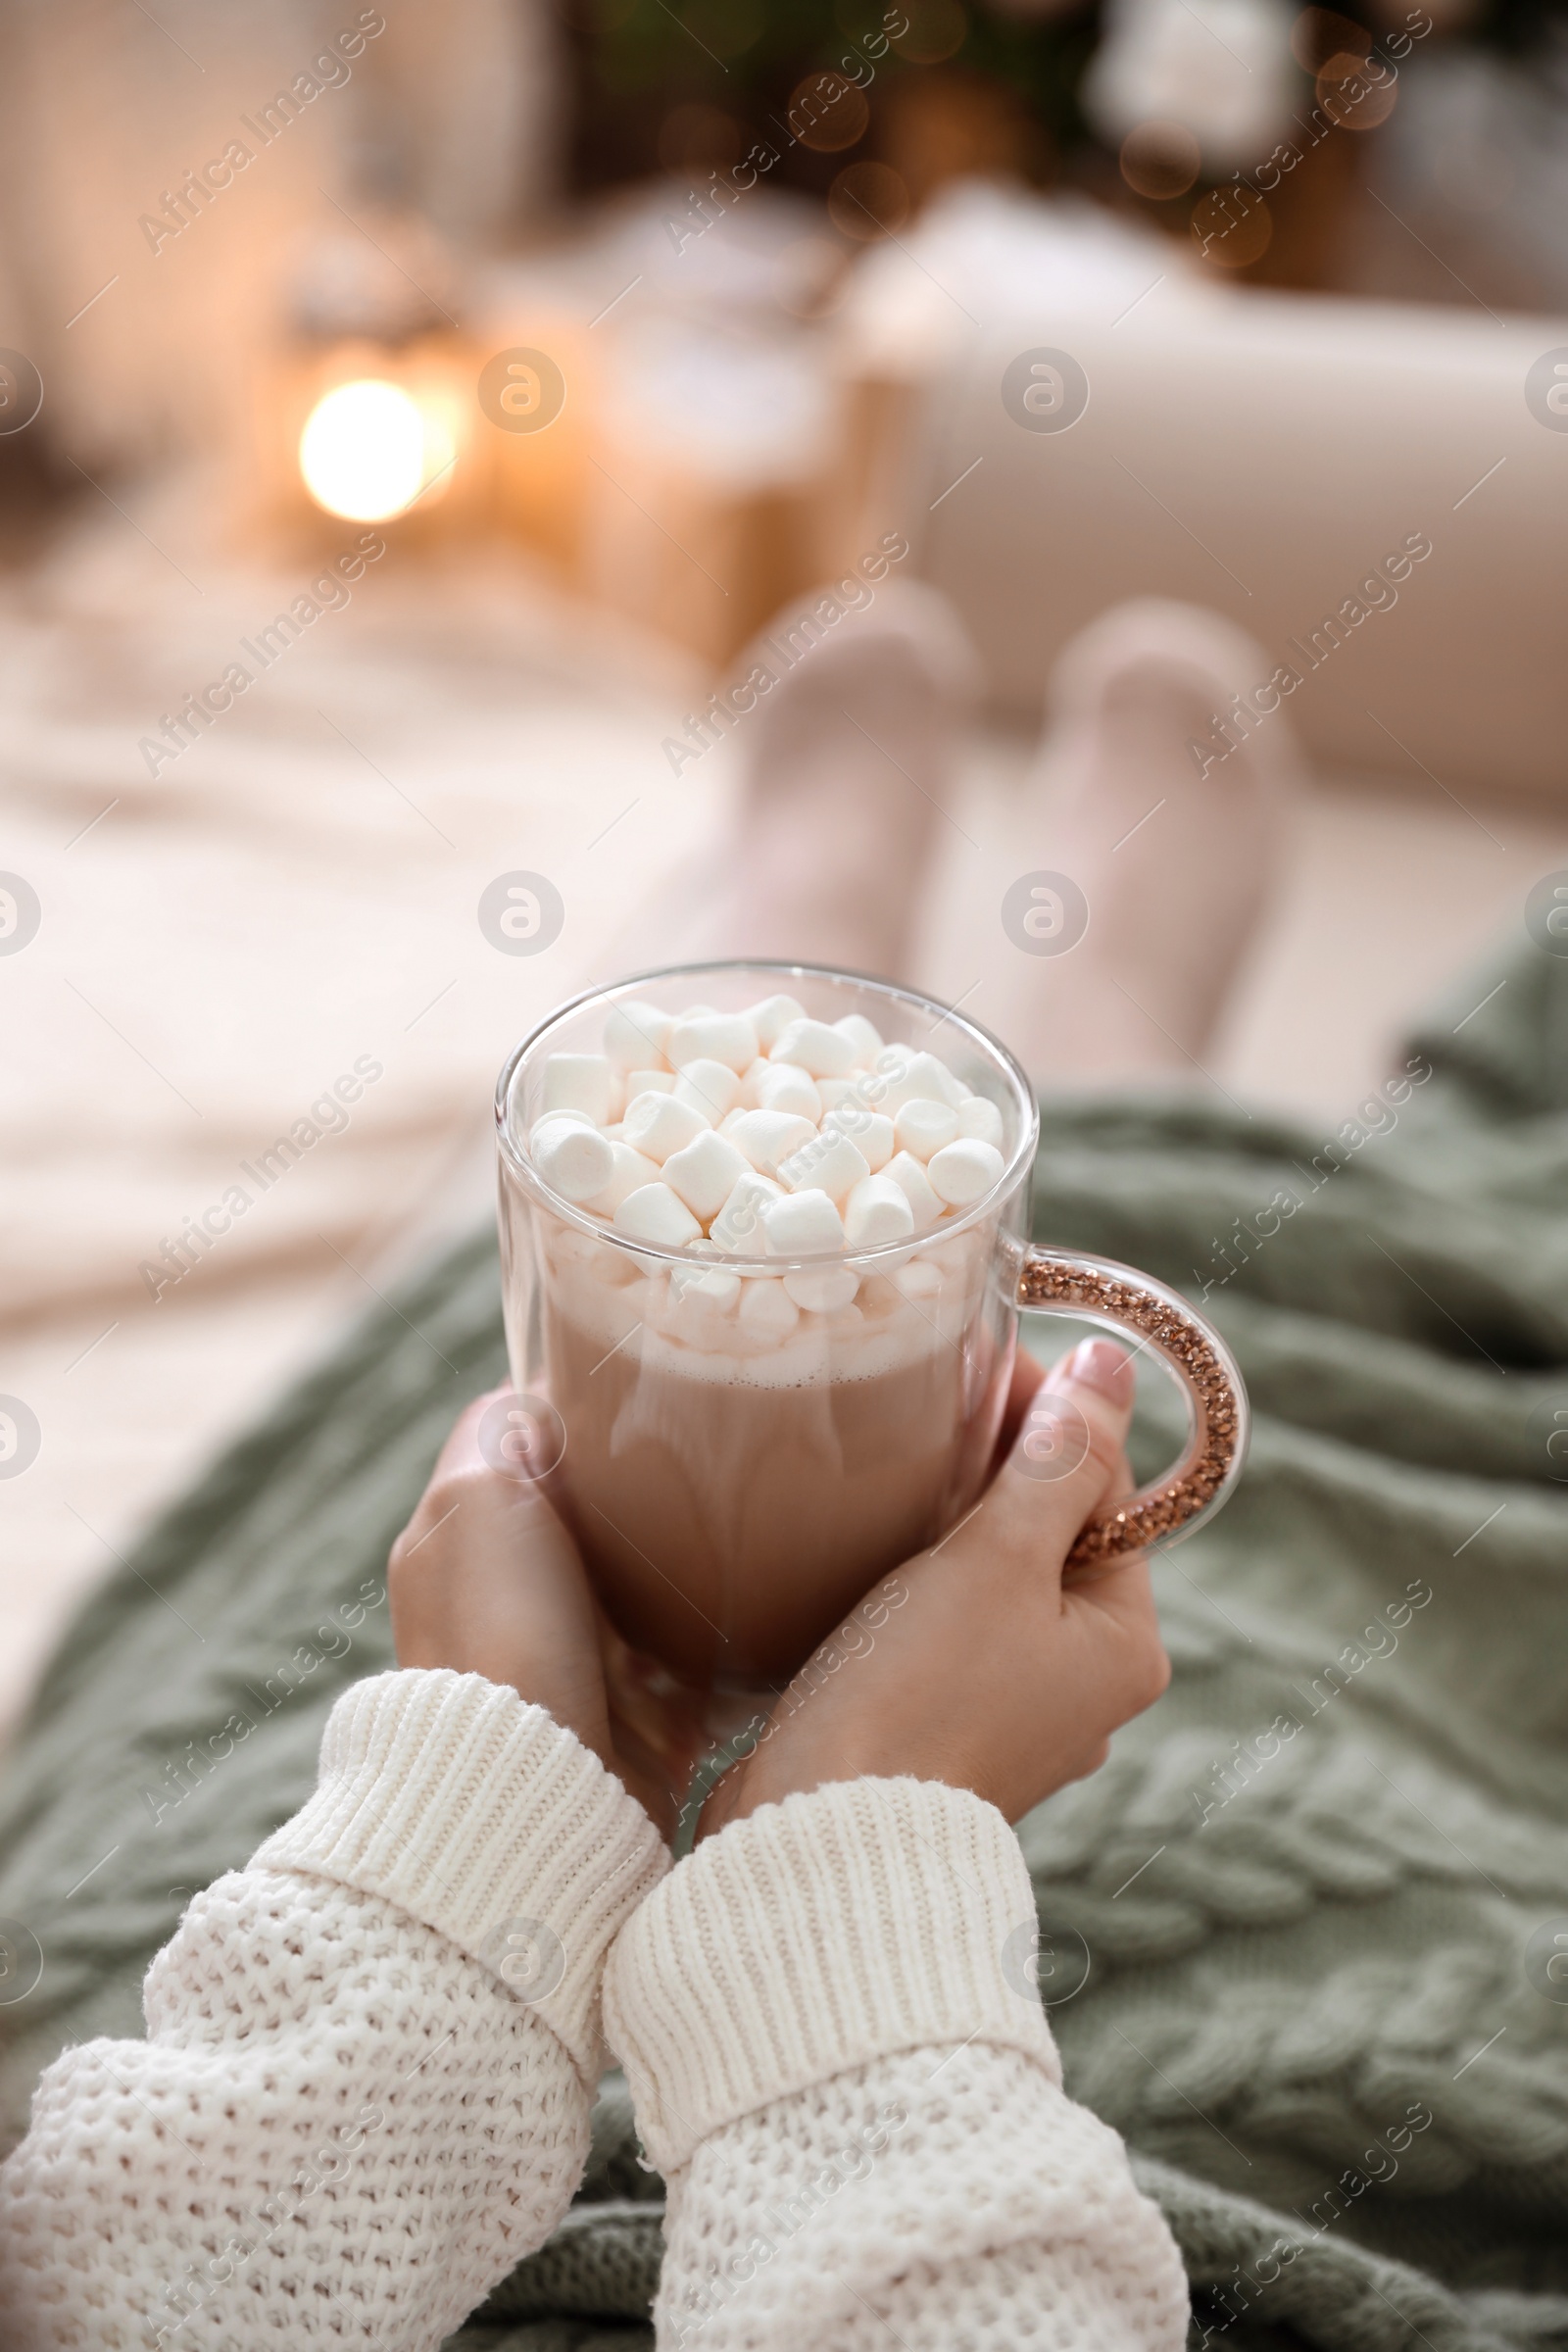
1102	1365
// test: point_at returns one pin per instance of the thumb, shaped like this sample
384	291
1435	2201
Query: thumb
1064	1462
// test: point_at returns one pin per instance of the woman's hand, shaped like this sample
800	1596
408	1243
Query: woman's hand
486	1579
982	1671
973	1664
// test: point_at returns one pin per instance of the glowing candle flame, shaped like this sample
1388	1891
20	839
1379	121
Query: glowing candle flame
368	450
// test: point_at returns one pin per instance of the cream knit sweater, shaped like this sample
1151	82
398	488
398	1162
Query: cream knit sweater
370	2056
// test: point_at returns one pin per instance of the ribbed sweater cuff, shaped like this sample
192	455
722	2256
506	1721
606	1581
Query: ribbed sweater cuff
814	1937
479	1815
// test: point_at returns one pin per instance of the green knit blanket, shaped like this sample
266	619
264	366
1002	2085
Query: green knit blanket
1315	1889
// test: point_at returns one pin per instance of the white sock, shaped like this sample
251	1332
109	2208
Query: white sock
848	763
1176	865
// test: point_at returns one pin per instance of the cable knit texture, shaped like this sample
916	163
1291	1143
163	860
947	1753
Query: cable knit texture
345	2125
868	1918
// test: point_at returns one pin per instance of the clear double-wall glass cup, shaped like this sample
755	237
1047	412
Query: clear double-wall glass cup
738	1481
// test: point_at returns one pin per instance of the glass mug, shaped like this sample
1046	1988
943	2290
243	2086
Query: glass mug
736	1488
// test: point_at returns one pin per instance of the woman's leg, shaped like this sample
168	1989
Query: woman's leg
1175	849
850	757
846	759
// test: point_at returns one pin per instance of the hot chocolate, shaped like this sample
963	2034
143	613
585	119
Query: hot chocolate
779	1378
733	1506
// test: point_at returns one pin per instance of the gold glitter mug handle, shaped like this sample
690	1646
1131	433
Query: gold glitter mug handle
1130	1303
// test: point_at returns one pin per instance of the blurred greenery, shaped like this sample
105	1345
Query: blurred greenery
638	60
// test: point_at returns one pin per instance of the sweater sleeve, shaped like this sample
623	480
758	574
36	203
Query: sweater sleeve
844	2073
369	2058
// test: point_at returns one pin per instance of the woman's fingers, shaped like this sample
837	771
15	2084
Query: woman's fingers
1116	1602
1068	1463
1065	1459
984	1671
485	1579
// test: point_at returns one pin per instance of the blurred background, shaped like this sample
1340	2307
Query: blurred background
407	416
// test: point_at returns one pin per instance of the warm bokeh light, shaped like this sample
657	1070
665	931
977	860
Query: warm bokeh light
935	29
826	112
1352	95
1160	160
369	449
1232	226
869	200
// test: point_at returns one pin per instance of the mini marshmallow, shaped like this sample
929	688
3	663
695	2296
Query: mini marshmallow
660	1124
861	1036
919	1279
737	1226
906	1171
773	1016
565	1246
655	1214
931	1069
822	1291
876	1211
980	1120
629	1169
586	1082
649	1082
805	1225
575	1160
829	1164
924	1127
769	1136
877	1299
726	1037
916	1078
835	1091
705	1173
614	1268
557	1119
822	1052
635	1034
785	1086
941	1076
710	1087
715	1286
766	1310
886	1081
751	1079
700	1306
870	1133
961	1172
